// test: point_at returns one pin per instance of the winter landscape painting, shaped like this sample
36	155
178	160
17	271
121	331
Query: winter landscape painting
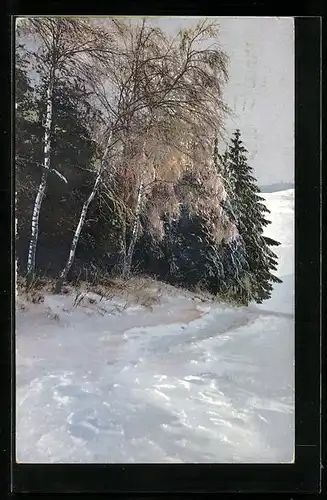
154	168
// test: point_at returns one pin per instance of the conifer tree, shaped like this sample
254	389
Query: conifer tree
250	213
230	254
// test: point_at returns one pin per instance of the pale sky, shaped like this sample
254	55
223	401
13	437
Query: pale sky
260	89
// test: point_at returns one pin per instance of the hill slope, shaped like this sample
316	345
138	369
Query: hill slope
189	381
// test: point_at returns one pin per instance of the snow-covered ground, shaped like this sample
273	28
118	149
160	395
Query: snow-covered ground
187	381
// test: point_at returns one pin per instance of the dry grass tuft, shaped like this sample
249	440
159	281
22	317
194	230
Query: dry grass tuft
137	290
140	290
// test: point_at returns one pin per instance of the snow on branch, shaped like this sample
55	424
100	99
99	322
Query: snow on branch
62	177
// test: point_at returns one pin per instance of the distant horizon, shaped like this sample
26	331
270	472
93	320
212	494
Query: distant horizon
280	183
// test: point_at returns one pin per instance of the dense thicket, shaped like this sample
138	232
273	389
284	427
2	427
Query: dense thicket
134	179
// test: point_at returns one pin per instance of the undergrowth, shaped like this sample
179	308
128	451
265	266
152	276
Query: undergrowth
138	289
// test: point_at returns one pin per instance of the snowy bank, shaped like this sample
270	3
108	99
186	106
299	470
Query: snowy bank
182	381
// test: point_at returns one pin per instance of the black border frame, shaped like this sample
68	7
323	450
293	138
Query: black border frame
304	476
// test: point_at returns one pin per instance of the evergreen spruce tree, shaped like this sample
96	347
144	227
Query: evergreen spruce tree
256	282
231	255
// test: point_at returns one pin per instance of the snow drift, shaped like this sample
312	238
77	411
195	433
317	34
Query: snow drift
188	381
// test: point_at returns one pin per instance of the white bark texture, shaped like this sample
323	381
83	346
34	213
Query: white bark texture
82	218
44	177
135	231
136	224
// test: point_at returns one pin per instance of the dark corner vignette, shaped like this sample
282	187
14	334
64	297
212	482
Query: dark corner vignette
307	263
6	232
304	475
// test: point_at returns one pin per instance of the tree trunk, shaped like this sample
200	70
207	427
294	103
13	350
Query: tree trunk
135	231
122	248
43	183
65	271
216	155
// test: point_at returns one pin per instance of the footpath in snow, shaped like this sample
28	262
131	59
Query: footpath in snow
188	381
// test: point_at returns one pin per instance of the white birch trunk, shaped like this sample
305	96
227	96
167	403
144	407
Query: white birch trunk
44	177
135	230
136	224
82	218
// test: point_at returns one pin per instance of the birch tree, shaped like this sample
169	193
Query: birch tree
136	216
64	48
51	37
82	218
160	96
174	94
